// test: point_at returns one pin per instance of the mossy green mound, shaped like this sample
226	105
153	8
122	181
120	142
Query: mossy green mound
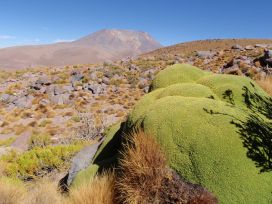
188	90
215	130
179	73
206	148
232	89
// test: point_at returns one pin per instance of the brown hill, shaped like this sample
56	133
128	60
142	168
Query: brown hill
98	47
216	44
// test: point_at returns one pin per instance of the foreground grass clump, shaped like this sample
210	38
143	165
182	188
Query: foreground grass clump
143	169
144	176
7	142
38	161
99	189
39	140
266	84
11	192
45	192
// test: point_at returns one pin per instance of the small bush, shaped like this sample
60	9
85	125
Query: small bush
10	193
143	169
44	123
266	84
145	177
39	140
7	142
45	192
38	161
100	189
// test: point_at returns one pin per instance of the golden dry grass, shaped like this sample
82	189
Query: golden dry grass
45	192
10	193
99	190
142	170
266	84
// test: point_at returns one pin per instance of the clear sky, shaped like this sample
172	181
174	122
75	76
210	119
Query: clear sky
168	21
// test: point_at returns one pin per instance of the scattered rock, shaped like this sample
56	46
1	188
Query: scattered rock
42	81
96	88
60	99
24	101
106	80
237	47
75	77
261	45
249	47
205	54
7	98
82	160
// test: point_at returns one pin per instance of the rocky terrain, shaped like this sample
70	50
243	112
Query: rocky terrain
104	45
50	114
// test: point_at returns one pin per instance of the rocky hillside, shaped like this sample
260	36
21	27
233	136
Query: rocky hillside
50	114
104	45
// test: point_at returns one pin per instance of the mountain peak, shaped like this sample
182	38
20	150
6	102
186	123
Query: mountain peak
116	37
103	45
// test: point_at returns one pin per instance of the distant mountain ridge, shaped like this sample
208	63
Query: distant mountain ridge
103	45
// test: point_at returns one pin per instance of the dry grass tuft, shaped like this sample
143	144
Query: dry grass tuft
99	190
142	170
266	84
145	177
45	192
10	193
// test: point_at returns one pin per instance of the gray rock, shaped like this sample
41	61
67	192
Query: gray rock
114	89
82	160
7	98
94	75
133	67
60	99
261	45
24	101
150	73
268	54
249	47
237	47
205	54
75	77
96	88
42	81
146	89
231	70
268	57
44	102
59	90
106	80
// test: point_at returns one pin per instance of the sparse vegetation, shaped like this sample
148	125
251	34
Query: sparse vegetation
99	189
38	161
7	142
266	84
39	140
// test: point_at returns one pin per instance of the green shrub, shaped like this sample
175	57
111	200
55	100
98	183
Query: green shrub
44	123
7	142
76	119
38	161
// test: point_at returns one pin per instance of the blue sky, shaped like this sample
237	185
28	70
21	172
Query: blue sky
168	21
